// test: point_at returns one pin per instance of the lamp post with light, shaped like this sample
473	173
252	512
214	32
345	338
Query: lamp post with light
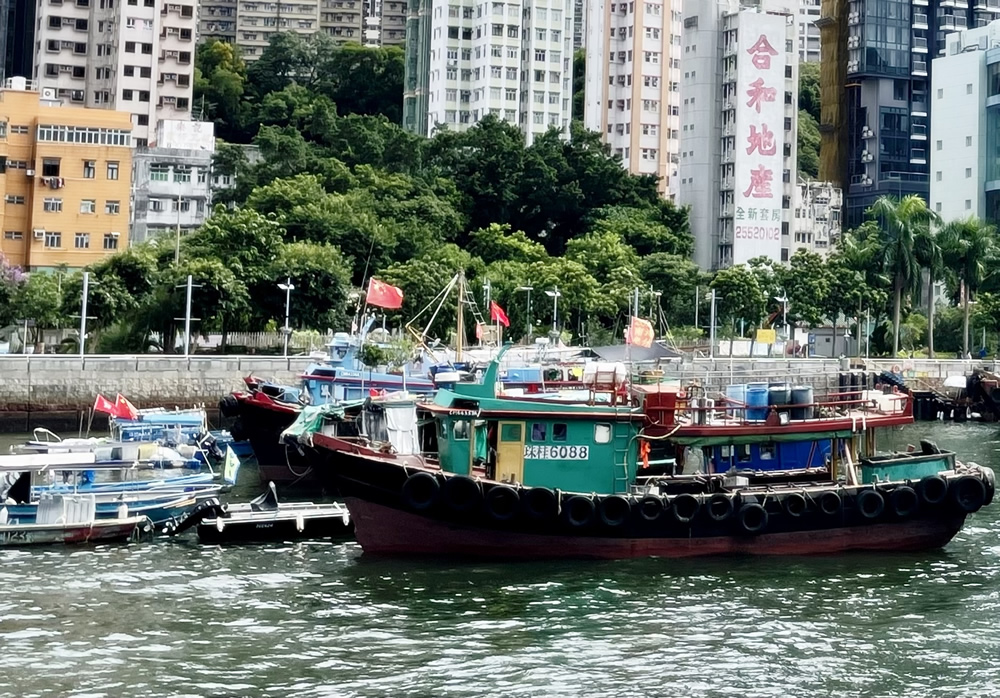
527	317
554	295
287	287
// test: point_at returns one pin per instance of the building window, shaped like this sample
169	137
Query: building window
968	141
968	173
968	204
937	176
182	173
127	95
112	207
159	173
81	241
52	205
968	89
156	205
89	169
112	169
50	167
88	206
13	199
111	241
13	235
937	145
53	240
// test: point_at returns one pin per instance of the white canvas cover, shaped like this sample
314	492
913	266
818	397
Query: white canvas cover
401	423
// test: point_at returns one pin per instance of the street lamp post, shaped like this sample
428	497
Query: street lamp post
177	245
554	295
527	317
287	288
83	313
783	299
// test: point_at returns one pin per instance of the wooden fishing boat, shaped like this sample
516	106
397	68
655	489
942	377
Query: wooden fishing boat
70	519
645	472
265	519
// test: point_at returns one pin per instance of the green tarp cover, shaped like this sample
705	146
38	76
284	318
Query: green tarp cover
702	441
312	418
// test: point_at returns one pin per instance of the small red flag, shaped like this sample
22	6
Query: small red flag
102	404
498	315
383	295
125	409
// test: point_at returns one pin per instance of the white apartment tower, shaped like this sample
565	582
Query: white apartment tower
739	110
809	13
633	83
510	59
135	56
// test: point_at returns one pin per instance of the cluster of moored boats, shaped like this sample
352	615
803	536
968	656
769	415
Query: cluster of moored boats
608	467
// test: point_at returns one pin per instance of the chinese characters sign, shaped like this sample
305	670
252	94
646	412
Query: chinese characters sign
760	137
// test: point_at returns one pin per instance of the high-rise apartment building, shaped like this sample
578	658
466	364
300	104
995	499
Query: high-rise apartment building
633	83
250	25
17	33
465	60
965	126
809	40
135	56
739	112
66	185
881	119
816	225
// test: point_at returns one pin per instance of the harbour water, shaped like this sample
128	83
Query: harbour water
175	618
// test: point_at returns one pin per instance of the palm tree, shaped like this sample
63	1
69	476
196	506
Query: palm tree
901	222
928	252
970	247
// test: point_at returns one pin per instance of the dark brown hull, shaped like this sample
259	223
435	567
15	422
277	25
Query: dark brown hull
384	530
261	423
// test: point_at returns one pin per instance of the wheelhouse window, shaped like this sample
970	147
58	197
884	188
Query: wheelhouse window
602	433
510	432
560	432
460	431
538	431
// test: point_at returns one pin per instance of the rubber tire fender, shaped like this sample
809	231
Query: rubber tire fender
795	504
719	507
685	508
752	519
968	493
540	503
870	504
904	502
502	503
229	406
462	494
579	511
933	490
650	507
614	510
421	491
830	503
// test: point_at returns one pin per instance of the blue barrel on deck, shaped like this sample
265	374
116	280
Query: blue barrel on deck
756	401
737	395
802	399
779	394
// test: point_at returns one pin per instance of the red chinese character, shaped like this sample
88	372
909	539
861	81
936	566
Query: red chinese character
758	93
762	52
760	183
762	141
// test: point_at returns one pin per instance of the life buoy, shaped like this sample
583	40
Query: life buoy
794	504
897	370
540	503
968	494
644	453
719	507
933	489
420	491
650	507
871	504
752	518
462	494
830	503
614	510
579	511
904	502
502	502
685	508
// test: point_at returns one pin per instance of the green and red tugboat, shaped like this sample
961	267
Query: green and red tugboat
640	472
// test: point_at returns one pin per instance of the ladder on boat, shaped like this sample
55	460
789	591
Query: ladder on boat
621	438
470	301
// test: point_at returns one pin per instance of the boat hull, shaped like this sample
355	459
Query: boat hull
269	528
261	423
383	530
102	531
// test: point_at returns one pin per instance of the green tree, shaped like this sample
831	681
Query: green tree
970	248
808	137
579	83
363	80
496	243
677	278
219	84
901	222
739	295
38	298
663	228
322	283
928	253
807	286
245	241
809	92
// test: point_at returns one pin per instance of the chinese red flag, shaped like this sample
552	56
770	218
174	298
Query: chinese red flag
125	409
384	295
102	404
640	333
498	315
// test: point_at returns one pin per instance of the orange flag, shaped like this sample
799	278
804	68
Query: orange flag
640	333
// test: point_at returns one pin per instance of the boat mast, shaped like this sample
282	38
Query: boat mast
460	324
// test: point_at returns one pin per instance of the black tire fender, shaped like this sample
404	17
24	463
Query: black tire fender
540	503
752	518
462	494
502	502
614	510
421	491
650	507
719	507
830	503
795	504
968	493
904	501
685	508
579	511
933	490
870	504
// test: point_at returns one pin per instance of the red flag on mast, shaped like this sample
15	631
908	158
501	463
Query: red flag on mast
102	404
125	409
383	295
498	315
640	333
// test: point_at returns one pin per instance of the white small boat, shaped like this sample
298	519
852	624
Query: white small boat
71	519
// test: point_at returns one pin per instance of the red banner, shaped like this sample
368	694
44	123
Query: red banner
498	315
383	295
102	404
640	333
125	409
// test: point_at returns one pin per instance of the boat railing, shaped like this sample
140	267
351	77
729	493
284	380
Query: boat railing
835	404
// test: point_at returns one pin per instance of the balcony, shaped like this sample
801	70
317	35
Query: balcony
918	44
920	68
919	20
918	132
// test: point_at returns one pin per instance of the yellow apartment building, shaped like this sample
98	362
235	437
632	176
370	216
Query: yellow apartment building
65	180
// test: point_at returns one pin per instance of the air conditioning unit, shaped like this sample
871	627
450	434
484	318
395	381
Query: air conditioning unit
452	61
114	235
48	93
29	173
39	233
